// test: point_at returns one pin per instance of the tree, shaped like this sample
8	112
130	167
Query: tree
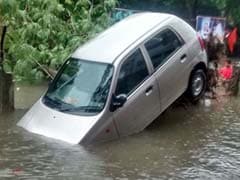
43	33
187	9
6	87
229	9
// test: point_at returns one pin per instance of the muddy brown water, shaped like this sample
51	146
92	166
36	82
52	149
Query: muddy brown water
195	143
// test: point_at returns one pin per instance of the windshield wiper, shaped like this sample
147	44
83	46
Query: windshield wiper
82	109
53	102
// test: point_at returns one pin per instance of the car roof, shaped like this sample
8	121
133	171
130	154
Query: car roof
107	46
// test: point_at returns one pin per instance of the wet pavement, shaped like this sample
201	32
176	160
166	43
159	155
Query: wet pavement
196	142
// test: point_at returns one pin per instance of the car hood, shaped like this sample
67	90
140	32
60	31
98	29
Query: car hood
45	121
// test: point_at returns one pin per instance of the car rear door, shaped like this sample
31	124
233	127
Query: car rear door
142	105
169	57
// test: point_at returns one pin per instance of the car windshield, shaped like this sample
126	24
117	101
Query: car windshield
80	87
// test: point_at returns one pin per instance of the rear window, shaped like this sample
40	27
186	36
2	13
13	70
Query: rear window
162	46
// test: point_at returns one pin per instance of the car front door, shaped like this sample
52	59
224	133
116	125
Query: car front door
169	58
142	105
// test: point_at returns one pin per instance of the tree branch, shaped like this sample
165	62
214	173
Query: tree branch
44	69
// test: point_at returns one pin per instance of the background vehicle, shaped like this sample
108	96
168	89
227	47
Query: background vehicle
119	82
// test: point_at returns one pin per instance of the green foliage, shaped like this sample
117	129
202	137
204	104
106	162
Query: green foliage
189	8
45	32
229	8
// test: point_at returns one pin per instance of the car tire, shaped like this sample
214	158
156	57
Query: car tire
197	85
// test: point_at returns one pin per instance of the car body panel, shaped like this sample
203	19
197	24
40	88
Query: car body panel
171	78
51	123
142	107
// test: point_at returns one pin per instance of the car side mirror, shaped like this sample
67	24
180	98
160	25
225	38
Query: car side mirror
118	101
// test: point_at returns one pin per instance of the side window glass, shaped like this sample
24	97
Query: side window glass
161	46
133	71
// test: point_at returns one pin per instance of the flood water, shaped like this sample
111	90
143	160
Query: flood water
196	142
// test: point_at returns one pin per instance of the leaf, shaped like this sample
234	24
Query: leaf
7	67
39	76
8	7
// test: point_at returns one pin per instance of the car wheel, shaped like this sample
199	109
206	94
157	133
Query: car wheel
197	85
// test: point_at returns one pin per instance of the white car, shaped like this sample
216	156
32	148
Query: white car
119	82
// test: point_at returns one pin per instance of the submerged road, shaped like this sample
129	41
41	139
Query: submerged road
195	143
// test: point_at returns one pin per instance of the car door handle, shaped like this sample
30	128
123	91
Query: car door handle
149	90
183	58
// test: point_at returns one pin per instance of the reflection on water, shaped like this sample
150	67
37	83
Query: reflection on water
194	143
26	95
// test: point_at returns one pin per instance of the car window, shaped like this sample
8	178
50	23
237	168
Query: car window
133	71
161	46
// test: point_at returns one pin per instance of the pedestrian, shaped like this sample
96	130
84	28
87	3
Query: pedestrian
225	75
212	75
